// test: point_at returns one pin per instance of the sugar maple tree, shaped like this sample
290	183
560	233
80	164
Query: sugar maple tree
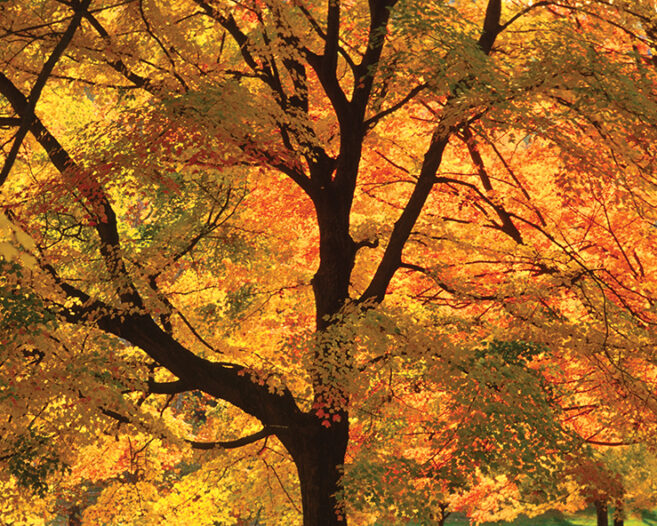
373	234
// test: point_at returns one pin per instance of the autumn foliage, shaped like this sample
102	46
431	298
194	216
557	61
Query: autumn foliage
317	262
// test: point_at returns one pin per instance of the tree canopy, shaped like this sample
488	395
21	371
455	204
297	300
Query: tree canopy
318	262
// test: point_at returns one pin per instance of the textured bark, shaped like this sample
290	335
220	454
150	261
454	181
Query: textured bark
318	453
337	253
319	450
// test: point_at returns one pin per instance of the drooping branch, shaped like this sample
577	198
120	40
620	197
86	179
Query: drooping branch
205	446
523	12
515	178
610	443
374	119
121	419
444	286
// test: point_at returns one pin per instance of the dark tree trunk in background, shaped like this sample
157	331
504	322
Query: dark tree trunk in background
442	515
601	513
74	516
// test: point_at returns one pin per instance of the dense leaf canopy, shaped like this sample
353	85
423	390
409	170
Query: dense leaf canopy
326	261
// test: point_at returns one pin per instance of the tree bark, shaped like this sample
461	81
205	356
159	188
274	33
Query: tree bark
319	453
337	253
318	445
601	513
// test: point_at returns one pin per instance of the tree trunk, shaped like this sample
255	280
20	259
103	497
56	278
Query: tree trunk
318	453
619	515
442	514
601	512
74	516
318	444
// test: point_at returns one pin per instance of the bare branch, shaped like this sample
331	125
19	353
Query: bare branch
492	26
232	444
10	121
372	121
392	257
507	223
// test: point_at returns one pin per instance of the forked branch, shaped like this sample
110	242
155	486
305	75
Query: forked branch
27	112
97	202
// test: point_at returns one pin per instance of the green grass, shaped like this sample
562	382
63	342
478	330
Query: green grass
584	518
555	518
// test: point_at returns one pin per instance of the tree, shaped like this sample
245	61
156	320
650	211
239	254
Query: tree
280	206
